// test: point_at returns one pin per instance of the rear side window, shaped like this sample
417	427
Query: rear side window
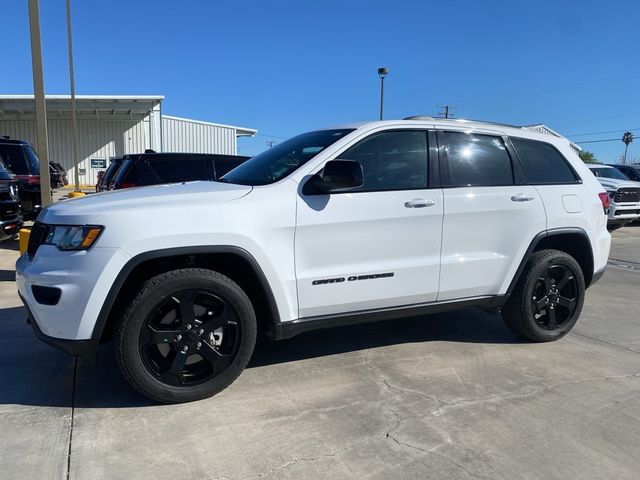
20	159
474	160
542	163
179	169
394	160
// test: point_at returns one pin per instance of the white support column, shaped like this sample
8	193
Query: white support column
155	128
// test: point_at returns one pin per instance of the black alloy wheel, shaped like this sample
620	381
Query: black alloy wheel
187	335
548	297
555	297
190	337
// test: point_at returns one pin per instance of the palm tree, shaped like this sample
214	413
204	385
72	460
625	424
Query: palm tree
627	138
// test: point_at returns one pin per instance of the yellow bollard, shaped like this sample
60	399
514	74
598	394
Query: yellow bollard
24	239
76	194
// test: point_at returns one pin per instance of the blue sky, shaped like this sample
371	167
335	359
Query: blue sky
284	67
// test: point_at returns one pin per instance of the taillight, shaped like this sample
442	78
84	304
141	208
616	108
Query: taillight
31	179
604	198
126	185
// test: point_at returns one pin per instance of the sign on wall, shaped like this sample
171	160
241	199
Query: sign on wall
98	163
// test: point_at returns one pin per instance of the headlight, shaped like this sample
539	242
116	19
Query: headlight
73	237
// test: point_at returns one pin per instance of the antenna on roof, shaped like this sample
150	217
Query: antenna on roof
447	111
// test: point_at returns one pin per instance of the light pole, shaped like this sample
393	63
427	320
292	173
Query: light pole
74	121
382	72
41	107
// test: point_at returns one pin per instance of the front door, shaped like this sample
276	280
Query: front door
376	246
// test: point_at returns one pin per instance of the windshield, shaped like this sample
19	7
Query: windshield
609	172
283	159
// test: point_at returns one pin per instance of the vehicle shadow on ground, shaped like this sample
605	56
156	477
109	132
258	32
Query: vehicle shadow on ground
104	386
32	373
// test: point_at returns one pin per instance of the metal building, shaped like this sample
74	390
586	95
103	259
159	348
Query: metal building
110	126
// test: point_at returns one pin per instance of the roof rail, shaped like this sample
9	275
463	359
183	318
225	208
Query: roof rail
419	117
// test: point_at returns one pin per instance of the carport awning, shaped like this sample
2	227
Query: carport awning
22	107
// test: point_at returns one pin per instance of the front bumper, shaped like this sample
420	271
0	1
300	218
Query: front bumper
619	213
10	228
85	349
81	279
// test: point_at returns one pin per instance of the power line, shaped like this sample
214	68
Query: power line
600	133
600	141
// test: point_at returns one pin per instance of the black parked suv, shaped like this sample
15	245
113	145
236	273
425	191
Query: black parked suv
18	156
632	172
10	214
106	177
157	168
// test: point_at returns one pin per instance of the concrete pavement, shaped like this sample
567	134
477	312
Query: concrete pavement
452	396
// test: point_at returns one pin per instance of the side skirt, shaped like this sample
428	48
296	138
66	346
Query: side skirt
291	329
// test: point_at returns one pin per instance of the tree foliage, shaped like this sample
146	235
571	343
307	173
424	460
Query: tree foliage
587	156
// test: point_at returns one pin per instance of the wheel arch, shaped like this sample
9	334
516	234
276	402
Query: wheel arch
232	261
574	241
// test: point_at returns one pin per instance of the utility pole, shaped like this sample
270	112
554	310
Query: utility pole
382	73
446	112
74	121
41	107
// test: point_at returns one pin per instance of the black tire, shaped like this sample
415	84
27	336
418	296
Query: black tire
545	304
157	317
615	226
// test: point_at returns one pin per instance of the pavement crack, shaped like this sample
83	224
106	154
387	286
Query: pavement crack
535	391
73	409
604	342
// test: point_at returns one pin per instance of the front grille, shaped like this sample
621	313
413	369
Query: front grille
37	237
624	195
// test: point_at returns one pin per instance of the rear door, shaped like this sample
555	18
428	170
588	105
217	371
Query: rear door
376	246
490	215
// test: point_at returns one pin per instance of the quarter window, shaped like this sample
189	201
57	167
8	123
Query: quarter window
475	160
542	163
395	160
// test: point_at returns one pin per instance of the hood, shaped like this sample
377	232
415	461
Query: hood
83	210
614	184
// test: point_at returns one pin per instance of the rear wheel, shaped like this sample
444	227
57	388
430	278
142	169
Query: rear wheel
548	298
187	335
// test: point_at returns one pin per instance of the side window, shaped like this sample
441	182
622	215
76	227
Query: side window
474	160
394	160
542	163
176	169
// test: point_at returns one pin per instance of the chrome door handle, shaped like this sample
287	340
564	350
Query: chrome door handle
522	197
419	203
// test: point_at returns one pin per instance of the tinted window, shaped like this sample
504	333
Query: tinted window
224	165
112	169
178	169
392	160
20	159
608	172
542	163
631	172
474	160
284	158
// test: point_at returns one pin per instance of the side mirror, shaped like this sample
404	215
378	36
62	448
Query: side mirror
337	176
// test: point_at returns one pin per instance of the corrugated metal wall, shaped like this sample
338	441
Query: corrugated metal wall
188	136
98	138
110	137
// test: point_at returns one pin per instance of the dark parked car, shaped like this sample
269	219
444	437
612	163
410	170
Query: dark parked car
10	214
157	168
18	156
632	172
105	177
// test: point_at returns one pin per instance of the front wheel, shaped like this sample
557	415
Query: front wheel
548	298
187	335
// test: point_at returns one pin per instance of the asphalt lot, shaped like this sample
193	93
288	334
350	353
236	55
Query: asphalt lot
451	396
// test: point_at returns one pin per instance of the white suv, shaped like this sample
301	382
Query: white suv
363	222
624	195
